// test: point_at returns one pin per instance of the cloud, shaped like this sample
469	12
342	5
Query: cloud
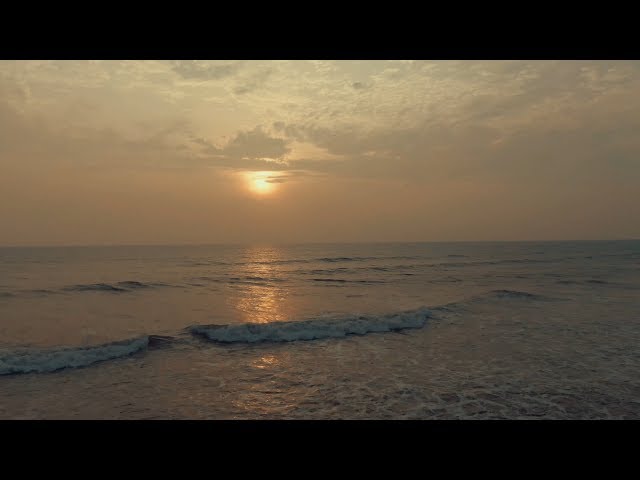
192	69
254	144
592	139
291	175
492	144
252	82
413	120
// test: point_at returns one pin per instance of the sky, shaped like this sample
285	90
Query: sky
267	152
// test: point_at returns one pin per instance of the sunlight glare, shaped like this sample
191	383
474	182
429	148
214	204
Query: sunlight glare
258	182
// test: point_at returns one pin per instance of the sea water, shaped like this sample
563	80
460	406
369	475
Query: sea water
421	330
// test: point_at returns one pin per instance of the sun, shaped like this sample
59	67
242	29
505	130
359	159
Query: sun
259	183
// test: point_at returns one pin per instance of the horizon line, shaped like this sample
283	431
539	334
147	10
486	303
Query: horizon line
239	244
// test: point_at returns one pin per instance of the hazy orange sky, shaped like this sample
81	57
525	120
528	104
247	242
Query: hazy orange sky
166	152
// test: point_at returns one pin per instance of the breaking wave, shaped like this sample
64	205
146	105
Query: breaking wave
50	360
313	329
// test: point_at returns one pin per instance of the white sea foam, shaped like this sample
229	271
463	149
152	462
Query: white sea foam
312	329
50	360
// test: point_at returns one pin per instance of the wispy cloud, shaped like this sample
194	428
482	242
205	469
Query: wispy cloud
541	131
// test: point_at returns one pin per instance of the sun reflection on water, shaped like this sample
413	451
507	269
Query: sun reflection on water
263	296
265	362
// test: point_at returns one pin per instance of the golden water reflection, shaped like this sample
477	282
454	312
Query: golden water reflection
265	362
263	296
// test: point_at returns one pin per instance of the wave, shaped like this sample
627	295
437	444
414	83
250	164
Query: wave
364	259
254	279
345	259
326	271
321	259
275	262
43	291
94	287
443	280
342	280
313	329
493	295
513	294
50	360
118	287
585	282
207	279
134	284
492	262
246	280
342	270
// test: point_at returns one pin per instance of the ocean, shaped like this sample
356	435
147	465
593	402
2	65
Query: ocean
504	330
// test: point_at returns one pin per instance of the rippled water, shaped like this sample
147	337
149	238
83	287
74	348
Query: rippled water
442	330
